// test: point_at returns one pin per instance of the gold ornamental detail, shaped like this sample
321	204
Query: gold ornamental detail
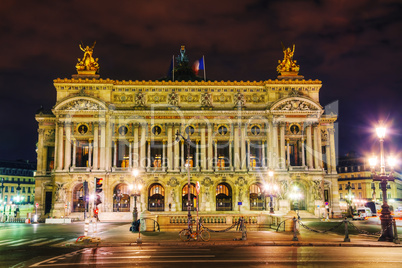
288	66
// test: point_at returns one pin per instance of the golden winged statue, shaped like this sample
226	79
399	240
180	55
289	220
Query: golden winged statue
288	65
88	65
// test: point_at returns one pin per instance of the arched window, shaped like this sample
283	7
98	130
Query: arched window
121	198
156	197
223	197
257	199
185	196
78	198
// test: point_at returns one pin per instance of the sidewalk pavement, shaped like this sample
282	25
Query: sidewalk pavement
121	236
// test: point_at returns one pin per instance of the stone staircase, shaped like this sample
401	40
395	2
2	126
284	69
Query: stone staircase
304	214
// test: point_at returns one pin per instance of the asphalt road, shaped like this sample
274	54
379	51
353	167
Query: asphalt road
43	245
226	256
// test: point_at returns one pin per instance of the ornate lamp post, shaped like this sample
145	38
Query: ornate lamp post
383	178
349	197
272	189
135	189
188	142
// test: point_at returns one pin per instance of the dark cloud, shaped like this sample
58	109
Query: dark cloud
354	47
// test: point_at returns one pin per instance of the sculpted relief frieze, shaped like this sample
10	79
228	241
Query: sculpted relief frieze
80	105
190	98
296	105
123	98
156	98
255	98
49	135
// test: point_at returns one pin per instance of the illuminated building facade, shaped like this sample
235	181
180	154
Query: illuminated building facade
238	131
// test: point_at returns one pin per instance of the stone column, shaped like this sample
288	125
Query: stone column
163	155
269	151
319	153
60	140
302	149
176	156
149	155
115	154
67	150
331	132
136	146
309	148
210	159
182	155
142	159
216	155
230	155
263	154
287	153
169	147
96	146
41	160
109	146
236	147
102	165
328	158
203	151
316	157
275	147
243	146
90	154
282	144
74	153
248	154
130	154
196	154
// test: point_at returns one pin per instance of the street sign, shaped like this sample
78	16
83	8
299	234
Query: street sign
197	187
326	203
239	203
37	205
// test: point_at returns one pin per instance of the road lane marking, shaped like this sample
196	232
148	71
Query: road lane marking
28	242
55	258
148	257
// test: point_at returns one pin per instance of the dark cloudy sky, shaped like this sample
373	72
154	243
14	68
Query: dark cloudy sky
353	46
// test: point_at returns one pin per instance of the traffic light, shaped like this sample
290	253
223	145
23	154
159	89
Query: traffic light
99	184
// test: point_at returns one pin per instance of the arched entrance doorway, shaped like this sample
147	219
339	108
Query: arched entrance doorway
78	198
223	197
121	198
156	197
184	200
297	189
257	198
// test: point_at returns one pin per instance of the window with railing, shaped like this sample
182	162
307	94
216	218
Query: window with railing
340	186
359	186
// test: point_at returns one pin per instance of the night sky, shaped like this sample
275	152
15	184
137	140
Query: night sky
353	46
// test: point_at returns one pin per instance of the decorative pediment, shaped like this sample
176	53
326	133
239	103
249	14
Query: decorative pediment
296	104
81	104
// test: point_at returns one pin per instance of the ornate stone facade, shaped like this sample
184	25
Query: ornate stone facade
238	131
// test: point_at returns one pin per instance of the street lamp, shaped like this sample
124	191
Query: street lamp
135	189
188	142
296	195
349	197
383	178
272	189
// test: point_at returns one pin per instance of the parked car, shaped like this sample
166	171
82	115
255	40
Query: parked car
362	213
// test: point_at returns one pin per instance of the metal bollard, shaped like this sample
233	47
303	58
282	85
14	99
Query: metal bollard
347	239
243	231
396	239
294	230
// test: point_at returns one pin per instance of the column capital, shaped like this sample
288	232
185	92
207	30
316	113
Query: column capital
102	123
41	131
96	124
60	124
331	130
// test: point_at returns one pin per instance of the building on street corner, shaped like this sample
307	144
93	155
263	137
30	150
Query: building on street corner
104	128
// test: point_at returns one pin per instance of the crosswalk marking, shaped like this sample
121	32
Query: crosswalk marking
27	242
47	242
13	241
32	243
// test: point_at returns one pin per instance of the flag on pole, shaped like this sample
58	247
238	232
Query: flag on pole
199	65
170	73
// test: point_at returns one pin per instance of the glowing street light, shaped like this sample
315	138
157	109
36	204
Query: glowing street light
135	189
272	189
383	178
